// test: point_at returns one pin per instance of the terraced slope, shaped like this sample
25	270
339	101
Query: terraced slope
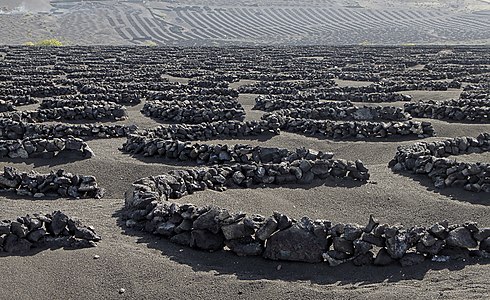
276	22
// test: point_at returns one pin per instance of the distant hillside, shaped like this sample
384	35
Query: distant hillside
204	22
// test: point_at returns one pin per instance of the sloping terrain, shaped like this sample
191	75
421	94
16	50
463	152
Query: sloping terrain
246	22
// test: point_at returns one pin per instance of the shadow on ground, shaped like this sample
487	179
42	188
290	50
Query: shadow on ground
256	268
458	194
45	159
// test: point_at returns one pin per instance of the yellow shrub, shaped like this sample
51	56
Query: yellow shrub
150	44
49	42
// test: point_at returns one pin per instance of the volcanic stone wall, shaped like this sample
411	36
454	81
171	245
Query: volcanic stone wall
13	130
216	154
18	100
431	159
212	130
89	112
364	97
45	231
457	110
46	148
55	184
6	106
349	129
279	237
378	113
195	112
270	103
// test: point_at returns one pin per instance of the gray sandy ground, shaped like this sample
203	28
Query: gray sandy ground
151	268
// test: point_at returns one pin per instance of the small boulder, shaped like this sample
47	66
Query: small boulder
461	237
294	244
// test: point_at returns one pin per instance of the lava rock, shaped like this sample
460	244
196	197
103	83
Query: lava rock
206	240
461	237
295	244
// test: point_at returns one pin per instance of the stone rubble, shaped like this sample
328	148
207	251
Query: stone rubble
55	184
432	159
279	237
42	231
454	110
45	148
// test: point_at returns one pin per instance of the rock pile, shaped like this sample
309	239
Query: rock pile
216	154
45	148
45	231
456	110
364	97
14	130
377	113
91	93
111	111
18	100
192	93
207	131
55	184
280	237
348	129
271	103
179	183
73	103
431	159
283	87
195	112
6	106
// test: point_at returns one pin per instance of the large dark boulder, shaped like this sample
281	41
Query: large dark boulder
295	244
206	240
462	238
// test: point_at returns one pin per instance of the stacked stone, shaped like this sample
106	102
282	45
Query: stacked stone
45	231
40	91
191	93
179	183
121	97
364	97
280	237
6	106
88	112
216	154
54	184
390	87
476	94
45	148
273	76
72	103
195	112
50	91
466	102
203	83
366	113
13	92
271	103
283	87
359	76
402	84
348	129
220	177
211	130
455	110
13	130
431	159
19	100
218	78
477	91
